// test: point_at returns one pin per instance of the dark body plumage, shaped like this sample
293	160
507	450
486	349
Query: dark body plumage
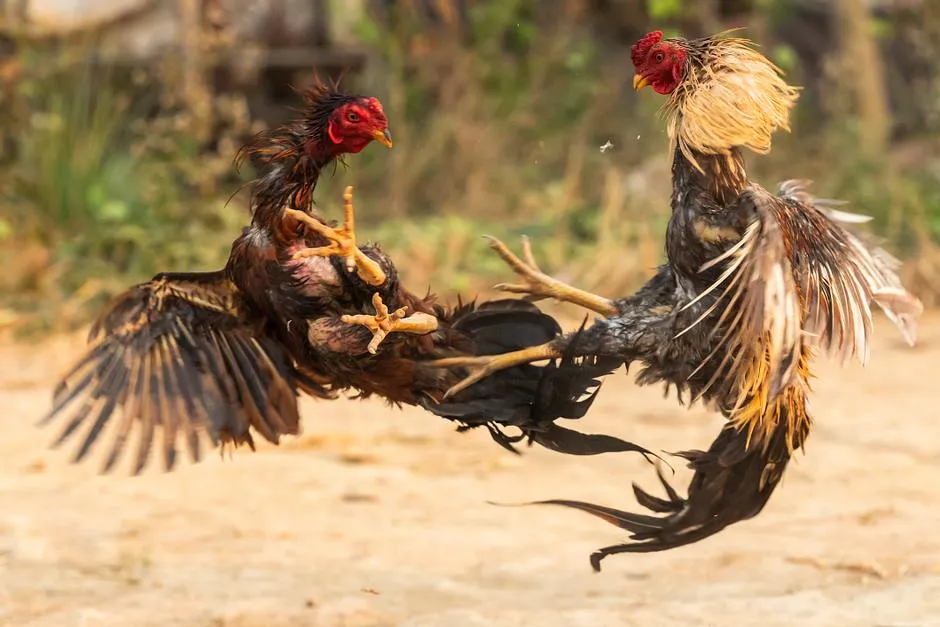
734	478
688	330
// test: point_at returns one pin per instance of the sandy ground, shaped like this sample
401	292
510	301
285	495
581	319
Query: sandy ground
378	517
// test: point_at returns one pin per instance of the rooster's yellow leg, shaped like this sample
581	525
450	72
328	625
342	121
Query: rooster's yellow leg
342	242
383	322
540	285
482	367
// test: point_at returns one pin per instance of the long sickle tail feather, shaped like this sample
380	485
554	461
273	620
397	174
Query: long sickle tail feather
732	483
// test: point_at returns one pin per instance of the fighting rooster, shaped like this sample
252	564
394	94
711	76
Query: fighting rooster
212	351
754	281
301	307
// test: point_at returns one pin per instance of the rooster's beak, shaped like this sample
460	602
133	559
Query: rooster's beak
639	82
383	137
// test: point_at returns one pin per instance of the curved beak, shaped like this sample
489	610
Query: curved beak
383	137
639	82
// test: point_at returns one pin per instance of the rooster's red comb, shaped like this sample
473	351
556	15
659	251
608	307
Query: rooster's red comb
639	49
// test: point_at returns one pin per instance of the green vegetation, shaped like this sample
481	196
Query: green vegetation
108	178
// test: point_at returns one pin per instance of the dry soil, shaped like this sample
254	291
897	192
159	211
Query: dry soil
379	517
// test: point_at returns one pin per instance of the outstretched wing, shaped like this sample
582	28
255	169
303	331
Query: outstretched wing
849	259
178	353
796	276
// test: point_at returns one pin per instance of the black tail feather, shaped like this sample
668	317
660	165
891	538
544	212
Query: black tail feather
732	483
530	398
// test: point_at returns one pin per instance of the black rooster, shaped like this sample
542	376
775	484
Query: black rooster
753	282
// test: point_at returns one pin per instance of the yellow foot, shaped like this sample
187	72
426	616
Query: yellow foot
342	242
482	367
383	322
539	285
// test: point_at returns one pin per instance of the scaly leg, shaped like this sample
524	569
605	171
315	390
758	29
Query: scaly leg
342	242
383	322
540	285
484	366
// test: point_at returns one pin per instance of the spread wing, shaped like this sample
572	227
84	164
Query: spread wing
858	259
797	277
178	353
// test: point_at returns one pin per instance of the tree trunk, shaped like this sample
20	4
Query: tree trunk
864	73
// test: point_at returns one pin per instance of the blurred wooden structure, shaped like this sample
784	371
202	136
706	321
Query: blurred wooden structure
250	35
261	47
256	47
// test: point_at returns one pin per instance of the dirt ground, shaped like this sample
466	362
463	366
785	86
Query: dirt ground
378	517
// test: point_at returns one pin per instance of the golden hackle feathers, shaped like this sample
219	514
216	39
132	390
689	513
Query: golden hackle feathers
731	96
796	278
758	411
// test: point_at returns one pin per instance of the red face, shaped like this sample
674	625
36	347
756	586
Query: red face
658	63
353	125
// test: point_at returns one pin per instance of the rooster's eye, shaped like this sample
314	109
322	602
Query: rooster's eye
659	57
352	116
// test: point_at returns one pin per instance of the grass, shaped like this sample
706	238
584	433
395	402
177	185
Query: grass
107	183
100	193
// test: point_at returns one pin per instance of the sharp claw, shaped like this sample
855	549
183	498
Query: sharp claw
382	322
460	387
342	242
527	253
515	288
377	339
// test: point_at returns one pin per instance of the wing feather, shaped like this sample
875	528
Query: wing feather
796	277
855	270
759	325
177	358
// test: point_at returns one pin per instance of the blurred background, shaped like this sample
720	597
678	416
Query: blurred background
119	120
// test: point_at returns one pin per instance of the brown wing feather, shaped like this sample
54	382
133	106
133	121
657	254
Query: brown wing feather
862	269
796	277
178	354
